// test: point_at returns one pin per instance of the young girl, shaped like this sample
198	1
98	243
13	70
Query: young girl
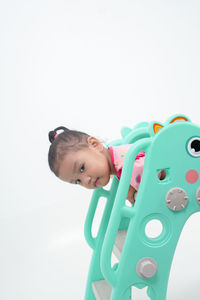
78	158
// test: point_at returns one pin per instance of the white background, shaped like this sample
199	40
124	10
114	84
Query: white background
93	66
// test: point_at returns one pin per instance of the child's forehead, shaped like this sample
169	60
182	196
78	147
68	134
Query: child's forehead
80	153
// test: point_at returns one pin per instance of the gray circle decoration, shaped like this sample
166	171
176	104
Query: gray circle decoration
198	195
176	199
146	267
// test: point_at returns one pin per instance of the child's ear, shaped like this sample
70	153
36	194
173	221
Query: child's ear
94	143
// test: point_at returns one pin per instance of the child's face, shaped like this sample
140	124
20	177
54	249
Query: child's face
89	167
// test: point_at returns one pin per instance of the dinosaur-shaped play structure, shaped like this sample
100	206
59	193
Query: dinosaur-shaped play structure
144	260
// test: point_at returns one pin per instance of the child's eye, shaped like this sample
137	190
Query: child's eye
82	168
77	181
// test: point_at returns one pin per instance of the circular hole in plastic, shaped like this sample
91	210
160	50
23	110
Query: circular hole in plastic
153	229
162	174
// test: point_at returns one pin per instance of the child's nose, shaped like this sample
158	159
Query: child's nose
87	180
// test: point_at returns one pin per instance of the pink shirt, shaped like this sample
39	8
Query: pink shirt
118	154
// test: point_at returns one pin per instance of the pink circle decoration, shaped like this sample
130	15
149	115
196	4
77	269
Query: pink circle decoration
192	176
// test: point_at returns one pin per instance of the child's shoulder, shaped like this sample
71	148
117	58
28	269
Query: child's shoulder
121	148
118	152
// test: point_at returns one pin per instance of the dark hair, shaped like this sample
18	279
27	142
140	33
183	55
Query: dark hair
62	143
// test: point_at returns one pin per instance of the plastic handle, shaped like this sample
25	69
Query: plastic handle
137	134
118	209
90	215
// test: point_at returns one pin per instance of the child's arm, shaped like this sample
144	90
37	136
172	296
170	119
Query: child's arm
130	195
131	192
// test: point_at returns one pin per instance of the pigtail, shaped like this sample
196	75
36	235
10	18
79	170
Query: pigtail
54	133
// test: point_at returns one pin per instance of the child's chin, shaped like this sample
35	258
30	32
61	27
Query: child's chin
102	184
107	181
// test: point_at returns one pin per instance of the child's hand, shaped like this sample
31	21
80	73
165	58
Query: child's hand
130	195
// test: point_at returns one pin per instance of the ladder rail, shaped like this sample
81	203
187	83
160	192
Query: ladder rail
120	209
136	134
97	194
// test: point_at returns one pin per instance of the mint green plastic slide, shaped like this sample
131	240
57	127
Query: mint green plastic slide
143	260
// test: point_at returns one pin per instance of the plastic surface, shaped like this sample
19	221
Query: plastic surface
174	147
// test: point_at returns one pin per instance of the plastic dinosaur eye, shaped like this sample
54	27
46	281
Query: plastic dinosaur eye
193	146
